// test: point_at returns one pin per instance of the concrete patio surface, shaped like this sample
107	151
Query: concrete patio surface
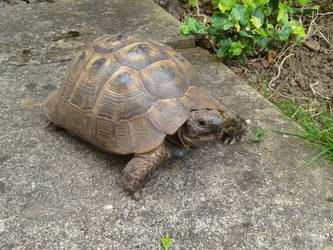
59	192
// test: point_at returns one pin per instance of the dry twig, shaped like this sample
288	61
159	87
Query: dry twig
316	92
279	71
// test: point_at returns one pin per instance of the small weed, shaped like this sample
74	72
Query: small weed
330	199
166	242
265	90
315	129
259	136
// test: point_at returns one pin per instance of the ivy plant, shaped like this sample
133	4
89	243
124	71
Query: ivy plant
249	27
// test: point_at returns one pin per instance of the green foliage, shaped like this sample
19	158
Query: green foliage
249	26
166	242
315	129
330	199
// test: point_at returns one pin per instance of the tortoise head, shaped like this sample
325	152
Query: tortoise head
202	126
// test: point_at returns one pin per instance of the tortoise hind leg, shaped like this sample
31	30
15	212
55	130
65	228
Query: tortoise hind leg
141	167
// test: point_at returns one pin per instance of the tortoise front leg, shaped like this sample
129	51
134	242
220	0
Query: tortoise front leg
141	167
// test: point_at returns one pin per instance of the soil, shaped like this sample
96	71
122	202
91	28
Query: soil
306	71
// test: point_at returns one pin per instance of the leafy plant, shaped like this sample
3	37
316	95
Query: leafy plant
166	242
315	129
250	27
330	199
259	136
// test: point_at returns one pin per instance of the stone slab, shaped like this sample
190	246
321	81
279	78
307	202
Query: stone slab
59	192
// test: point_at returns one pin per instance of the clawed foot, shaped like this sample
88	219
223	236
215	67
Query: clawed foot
234	128
134	179
140	169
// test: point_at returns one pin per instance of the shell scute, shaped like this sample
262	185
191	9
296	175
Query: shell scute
105	132
77	66
144	134
123	96
138	55
110	44
168	115
91	82
163	80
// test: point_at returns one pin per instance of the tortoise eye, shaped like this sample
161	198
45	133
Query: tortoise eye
202	123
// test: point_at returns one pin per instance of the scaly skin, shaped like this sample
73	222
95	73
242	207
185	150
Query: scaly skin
141	167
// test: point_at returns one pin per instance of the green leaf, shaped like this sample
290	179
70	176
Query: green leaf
284	33
236	48
237	26
226	5
263	2
263	42
270	32
261	32
330	199
255	36
220	53
215	3
220	21
315	7
192	23
282	14
185	29
241	59
225	45
303	2
243	12
259	14
256	22
236	51
297	29
268	11
201	28
193	3
237	44
235	15
195	26
249	3
243	33
290	9
249	49
298	40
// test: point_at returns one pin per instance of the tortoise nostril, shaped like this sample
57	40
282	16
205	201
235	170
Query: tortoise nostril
219	123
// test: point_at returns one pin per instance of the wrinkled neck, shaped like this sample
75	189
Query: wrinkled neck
179	138
185	141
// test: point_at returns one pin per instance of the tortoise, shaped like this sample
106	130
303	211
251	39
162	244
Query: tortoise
135	96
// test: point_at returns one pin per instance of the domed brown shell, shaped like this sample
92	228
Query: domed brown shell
125	94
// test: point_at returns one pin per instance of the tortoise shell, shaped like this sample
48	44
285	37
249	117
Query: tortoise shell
125	94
